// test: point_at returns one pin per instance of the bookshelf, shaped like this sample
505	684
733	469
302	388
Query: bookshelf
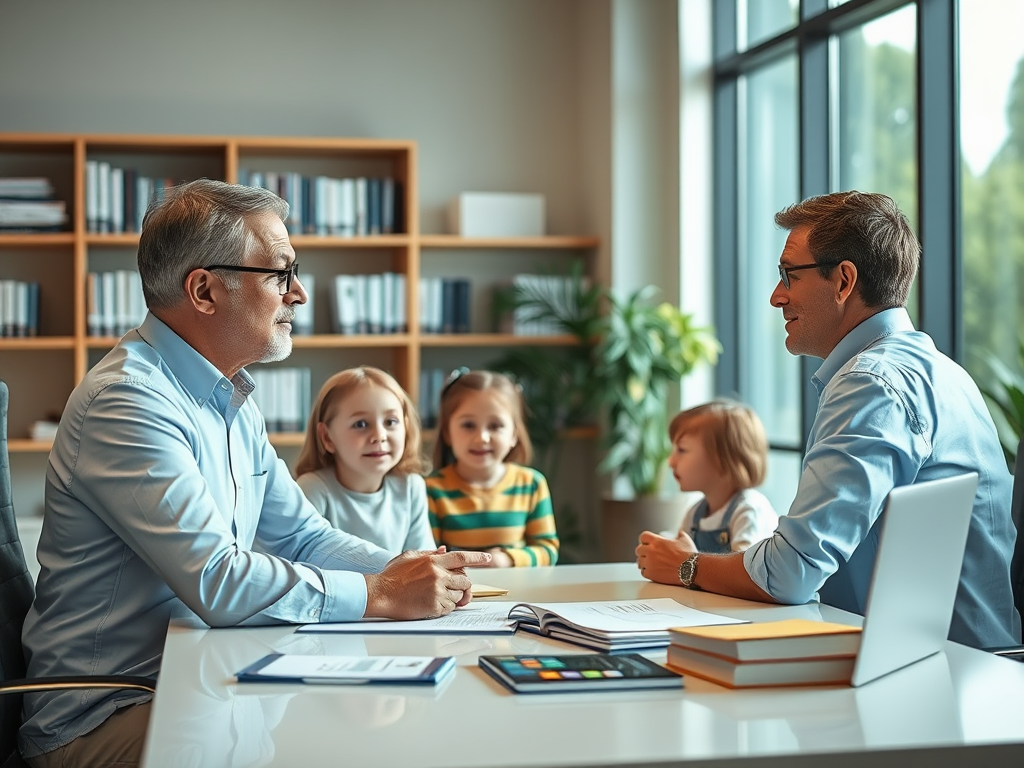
41	371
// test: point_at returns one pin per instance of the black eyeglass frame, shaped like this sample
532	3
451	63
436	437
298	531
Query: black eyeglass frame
784	271
288	274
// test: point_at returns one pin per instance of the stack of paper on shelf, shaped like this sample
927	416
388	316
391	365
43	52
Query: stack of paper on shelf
775	653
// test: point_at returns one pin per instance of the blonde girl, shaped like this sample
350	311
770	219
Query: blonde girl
361	464
482	495
720	449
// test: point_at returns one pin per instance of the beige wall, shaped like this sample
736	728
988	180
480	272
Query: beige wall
564	97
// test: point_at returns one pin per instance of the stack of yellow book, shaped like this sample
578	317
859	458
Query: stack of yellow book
775	653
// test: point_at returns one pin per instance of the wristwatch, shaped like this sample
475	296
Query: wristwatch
688	571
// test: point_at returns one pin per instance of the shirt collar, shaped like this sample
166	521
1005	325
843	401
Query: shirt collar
197	375
879	325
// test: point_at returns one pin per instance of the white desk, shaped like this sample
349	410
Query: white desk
956	707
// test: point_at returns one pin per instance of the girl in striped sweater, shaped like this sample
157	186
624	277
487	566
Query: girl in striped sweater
482	496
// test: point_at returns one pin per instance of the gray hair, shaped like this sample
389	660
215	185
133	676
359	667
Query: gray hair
195	225
867	229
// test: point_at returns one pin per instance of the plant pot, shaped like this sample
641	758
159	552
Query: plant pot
623	520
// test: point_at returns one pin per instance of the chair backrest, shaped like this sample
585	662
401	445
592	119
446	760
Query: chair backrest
16	592
1017	513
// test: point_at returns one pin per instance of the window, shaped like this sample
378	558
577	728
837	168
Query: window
823	95
991	119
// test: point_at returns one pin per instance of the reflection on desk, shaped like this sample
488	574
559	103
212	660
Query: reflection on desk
962	705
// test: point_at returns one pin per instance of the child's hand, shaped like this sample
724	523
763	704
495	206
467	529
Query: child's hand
500	558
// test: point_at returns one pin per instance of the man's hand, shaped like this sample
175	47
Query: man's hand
421	585
500	558
658	558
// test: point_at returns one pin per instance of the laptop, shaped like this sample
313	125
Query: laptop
916	574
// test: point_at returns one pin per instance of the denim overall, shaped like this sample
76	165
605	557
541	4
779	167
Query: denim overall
717	539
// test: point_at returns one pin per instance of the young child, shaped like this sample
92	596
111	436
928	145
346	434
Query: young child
361	463
720	449
481	496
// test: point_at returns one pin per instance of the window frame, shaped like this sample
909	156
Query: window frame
938	147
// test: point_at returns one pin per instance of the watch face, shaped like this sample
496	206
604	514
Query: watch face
687	570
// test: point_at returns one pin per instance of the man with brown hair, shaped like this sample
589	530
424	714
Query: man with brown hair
892	411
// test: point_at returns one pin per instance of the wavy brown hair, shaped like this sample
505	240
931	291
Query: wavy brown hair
456	390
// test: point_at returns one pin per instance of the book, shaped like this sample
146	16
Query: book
612	625
486	590
771	640
300	668
578	672
834	670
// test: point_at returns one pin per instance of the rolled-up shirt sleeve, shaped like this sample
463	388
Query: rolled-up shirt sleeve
865	440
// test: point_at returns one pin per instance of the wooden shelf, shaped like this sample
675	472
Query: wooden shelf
24	445
495	340
63	157
549	241
36	239
36	343
337	341
287	439
331	241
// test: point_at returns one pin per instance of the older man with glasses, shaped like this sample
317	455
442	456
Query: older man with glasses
892	411
165	499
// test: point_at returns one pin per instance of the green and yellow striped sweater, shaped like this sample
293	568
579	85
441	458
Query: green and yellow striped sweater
515	514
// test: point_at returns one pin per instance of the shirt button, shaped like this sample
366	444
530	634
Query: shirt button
314	613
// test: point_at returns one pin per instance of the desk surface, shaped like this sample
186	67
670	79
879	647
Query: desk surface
201	716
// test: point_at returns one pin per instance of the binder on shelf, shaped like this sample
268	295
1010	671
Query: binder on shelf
33	309
375	303
389	296
109	306
346	304
373	206
361	224
448	301
462	294
103	211
302	323
362	303
116	200
401	321
92	196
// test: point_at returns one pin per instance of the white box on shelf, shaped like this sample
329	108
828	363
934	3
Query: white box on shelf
496	214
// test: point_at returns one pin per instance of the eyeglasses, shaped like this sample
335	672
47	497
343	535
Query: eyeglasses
784	271
284	276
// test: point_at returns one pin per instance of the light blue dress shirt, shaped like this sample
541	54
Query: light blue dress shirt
160	482
892	410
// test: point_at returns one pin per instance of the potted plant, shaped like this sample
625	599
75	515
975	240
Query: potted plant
631	351
1008	399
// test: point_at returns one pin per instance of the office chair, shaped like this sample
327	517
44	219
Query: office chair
1017	513
1017	561
16	593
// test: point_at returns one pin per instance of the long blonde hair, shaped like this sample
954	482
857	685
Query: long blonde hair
455	392
314	454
